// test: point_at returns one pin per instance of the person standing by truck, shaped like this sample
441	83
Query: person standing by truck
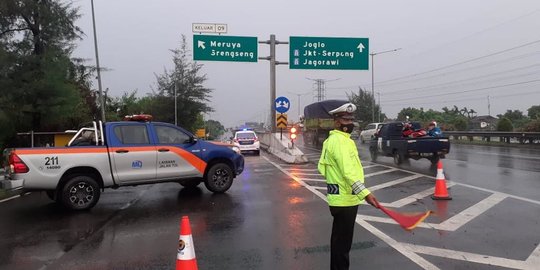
341	166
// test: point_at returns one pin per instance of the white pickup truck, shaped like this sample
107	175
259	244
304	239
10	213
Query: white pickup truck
115	154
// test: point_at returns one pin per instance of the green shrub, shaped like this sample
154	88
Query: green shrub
504	124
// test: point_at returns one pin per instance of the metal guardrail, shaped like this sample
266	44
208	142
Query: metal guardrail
503	136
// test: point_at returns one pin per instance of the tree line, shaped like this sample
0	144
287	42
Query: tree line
450	118
43	87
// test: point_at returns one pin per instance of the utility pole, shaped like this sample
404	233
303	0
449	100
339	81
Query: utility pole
175	105
379	96
101	99
373	80
272	58
489	106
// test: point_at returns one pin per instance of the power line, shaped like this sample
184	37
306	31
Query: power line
464	62
480	31
509	59
468	99
466	91
471	78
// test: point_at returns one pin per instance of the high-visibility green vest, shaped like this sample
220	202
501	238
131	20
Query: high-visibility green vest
340	165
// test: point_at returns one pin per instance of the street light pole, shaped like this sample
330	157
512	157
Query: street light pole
299	105
373	81
175	105
379	96
101	99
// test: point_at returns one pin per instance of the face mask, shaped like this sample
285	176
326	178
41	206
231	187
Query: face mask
347	128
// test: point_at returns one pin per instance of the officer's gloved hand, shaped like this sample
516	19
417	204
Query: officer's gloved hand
372	200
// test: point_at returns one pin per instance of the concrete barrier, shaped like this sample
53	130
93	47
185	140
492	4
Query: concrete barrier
281	148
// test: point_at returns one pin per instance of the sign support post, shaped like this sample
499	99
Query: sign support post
272	58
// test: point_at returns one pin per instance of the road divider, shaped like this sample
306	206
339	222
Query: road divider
282	148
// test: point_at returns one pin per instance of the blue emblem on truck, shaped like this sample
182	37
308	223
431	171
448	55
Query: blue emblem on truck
137	164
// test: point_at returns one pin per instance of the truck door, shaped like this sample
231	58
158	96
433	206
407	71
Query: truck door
178	155
133	155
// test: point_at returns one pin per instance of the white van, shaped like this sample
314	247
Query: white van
368	133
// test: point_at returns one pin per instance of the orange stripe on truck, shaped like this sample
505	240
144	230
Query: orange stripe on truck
195	161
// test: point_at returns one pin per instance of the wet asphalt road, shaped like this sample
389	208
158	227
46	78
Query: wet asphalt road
269	221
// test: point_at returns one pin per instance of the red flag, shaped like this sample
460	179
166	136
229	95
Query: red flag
407	221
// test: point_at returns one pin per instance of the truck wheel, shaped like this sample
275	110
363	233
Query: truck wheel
373	154
80	192
219	178
191	183
398	158
362	140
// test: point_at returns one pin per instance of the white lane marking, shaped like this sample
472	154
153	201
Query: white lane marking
394	182
452	224
472	212
391	221
471	186
310	188
312	179
369	166
501	193
294	165
532	261
381	172
414	197
14	197
470	257
534	258
400	247
320	188
301	175
387	239
293	170
306	174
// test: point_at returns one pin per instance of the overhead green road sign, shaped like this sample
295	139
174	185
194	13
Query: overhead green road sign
225	48
328	53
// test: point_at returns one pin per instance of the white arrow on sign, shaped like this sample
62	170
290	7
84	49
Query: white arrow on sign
201	44
360	47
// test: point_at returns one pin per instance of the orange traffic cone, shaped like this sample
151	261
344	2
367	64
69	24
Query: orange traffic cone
185	260
441	192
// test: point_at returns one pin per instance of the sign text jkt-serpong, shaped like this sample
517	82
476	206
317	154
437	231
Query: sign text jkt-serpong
328	53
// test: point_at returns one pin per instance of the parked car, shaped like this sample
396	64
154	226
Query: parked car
369	132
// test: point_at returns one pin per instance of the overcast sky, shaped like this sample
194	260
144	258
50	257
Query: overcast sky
135	37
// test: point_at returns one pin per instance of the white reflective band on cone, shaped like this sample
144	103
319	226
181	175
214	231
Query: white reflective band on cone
188	252
440	174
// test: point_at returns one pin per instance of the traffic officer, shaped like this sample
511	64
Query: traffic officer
340	165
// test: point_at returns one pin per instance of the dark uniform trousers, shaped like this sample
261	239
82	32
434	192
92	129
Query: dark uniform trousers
342	235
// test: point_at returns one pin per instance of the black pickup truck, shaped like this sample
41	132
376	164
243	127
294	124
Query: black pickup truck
389	141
